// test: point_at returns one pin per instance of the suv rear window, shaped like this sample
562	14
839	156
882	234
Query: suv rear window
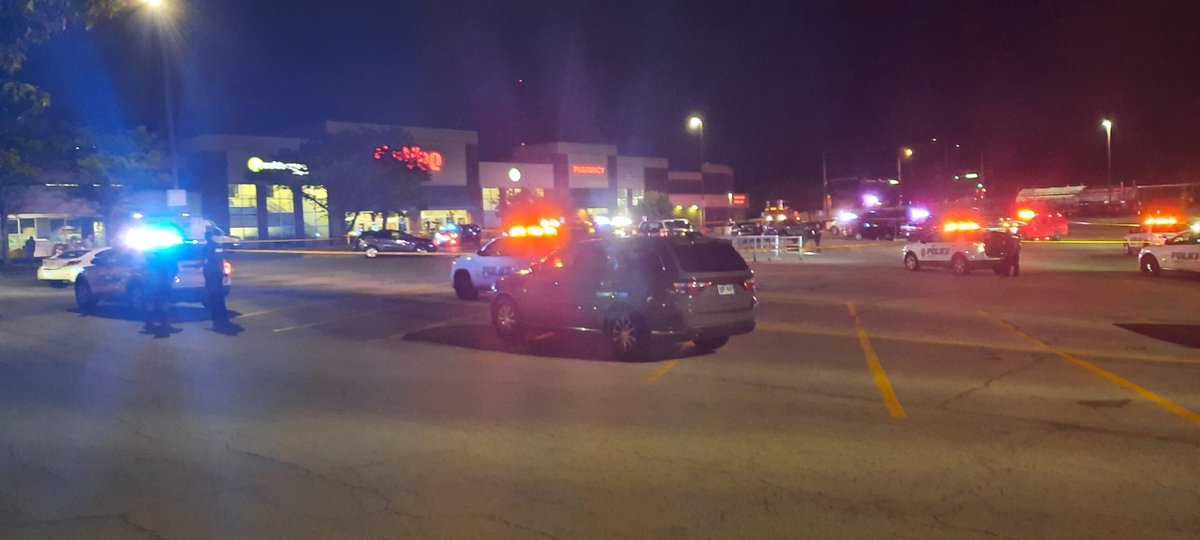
709	257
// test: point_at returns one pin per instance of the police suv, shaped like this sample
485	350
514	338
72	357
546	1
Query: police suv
1181	252
470	274
1155	231
962	247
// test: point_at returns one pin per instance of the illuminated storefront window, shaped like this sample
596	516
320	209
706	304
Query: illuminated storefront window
622	201
243	211
491	199
639	195
281	212
432	220
315	204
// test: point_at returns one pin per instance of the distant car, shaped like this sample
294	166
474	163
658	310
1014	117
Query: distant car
64	268
789	227
455	235
630	290
1045	226
1181	252
372	243
118	275
1154	231
665	227
470	274
747	228
961	249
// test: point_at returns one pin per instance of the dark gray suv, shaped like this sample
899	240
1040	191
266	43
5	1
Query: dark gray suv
630	289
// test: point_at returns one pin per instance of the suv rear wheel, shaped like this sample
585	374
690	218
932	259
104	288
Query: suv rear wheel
628	335
507	319
372	251
960	265
463	287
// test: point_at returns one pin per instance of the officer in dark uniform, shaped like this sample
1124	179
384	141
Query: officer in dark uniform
161	268
1007	247
214	281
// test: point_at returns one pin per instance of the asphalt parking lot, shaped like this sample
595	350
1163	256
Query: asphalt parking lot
361	399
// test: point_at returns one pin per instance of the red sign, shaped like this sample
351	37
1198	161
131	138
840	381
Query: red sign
412	157
587	169
739	199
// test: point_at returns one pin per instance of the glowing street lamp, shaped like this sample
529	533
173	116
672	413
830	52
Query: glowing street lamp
695	124
905	152
1107	124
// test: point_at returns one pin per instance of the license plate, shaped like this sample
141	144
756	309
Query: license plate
724	289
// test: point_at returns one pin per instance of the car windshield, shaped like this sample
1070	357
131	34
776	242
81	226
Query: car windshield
708	257
72	254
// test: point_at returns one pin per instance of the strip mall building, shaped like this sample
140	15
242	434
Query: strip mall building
224	171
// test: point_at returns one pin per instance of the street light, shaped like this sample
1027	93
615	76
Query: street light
161	12
1107	124
695	125
905	152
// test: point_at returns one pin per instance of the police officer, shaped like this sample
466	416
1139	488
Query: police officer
214	281
162	267
1013	249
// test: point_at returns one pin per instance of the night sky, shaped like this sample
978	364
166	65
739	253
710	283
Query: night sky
1026	83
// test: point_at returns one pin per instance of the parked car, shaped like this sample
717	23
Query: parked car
64	268
665	227
632	289
747	228
375	242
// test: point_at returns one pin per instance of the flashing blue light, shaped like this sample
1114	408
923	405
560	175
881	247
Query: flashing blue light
847	216
917	213
155	236
451	227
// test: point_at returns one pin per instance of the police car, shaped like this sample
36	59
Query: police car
505	255
1181	252
961	247
1155	231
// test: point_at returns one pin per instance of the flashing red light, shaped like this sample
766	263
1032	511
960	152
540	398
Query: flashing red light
227	268
1026	214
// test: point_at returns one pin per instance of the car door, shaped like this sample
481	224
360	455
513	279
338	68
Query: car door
587	287
114	272
934	248
1182	253
542	290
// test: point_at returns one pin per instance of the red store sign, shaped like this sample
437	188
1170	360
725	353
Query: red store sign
587	169
413	157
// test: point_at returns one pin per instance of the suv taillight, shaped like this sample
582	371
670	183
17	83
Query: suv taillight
691	288
227	268
748	284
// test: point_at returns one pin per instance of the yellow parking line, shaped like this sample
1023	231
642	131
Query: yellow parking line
881	380
661	371
813	330
1125	383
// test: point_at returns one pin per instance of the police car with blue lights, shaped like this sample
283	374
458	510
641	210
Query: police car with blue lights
963	246
508	254
1180	252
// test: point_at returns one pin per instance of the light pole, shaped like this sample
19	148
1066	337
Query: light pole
695	125
161	13
1108	146
905	152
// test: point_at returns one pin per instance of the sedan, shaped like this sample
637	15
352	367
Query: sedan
64	268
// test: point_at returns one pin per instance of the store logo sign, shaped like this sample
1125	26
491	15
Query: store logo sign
587	169
257	165
412	157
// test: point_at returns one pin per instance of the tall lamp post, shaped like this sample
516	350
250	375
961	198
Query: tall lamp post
695	124
1107	124
905	152
161	13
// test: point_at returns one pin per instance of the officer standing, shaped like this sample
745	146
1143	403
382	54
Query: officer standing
214	281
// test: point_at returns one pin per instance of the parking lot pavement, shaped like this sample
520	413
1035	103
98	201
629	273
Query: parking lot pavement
363	400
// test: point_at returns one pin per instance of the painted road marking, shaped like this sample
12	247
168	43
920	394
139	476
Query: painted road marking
661	371
881	380
1125	383
337	319
791	328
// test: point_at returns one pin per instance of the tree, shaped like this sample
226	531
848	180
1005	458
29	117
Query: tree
22	25
656	205
110	165
367	170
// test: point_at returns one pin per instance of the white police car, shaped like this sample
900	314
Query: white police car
470	274
959	246
1155	231
1181	252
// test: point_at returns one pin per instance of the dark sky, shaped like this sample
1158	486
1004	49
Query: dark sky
1026	83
